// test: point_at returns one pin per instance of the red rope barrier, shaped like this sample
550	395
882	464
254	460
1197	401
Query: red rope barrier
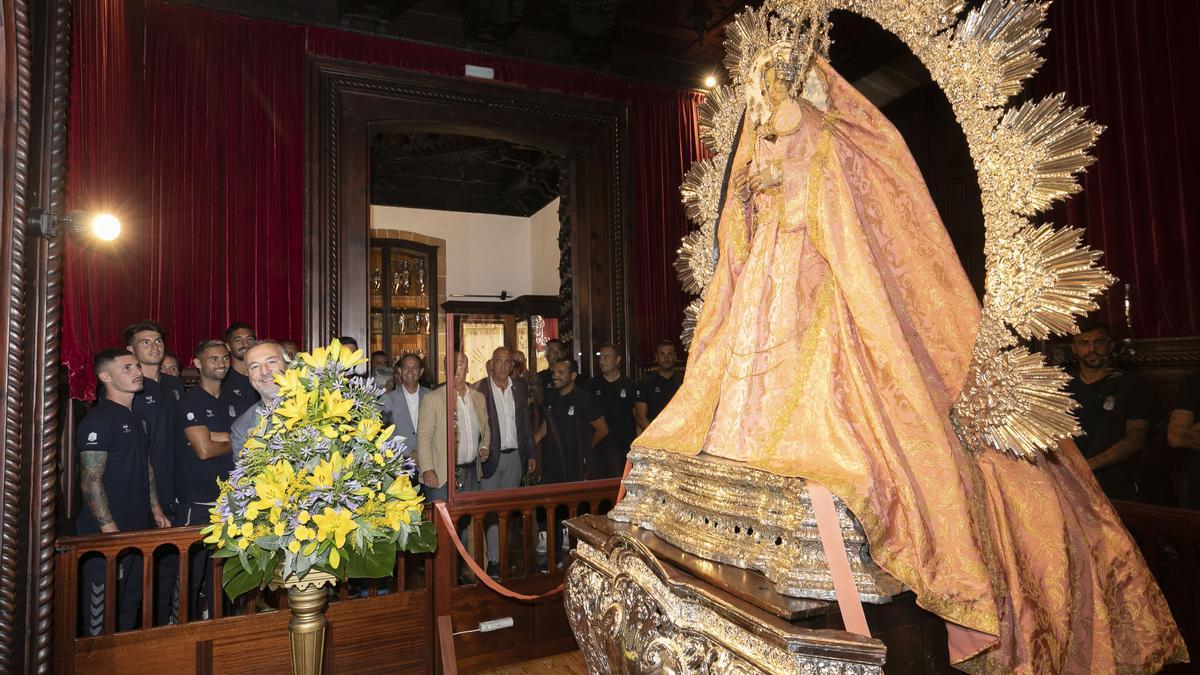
480	574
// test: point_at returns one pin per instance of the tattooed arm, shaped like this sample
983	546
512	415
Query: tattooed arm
92	486
160	518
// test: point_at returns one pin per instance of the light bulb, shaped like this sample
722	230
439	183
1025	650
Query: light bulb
710	81
105	226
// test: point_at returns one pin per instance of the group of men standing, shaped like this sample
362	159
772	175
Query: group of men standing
515	427
151	451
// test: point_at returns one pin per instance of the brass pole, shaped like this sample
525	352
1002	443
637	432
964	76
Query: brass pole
307	628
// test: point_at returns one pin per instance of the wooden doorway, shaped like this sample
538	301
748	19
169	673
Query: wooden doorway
349	102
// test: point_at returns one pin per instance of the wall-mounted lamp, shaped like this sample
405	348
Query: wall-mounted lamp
103	226
710	81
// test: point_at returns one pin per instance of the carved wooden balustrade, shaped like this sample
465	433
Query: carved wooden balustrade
375	626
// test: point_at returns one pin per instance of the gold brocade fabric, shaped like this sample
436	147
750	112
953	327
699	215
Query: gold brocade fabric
834	338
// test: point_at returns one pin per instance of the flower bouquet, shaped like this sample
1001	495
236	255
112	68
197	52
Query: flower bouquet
320	485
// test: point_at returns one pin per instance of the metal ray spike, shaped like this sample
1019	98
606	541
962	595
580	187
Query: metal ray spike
1056	140
701	190
694	261
719	115
1016	27
1044	281
691	316
1016	404
742	44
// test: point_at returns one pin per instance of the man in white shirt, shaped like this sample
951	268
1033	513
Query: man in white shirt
401	406
511	432
470	422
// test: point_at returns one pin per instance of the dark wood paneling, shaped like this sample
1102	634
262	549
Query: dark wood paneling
349	102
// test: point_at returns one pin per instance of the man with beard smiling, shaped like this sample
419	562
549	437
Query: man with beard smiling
263	361
236	389
1114	412
203	456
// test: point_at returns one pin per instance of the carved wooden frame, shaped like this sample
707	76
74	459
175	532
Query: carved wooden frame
36	39
347	102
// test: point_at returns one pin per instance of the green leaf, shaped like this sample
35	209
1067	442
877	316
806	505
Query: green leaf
226	552
378	562
237	579
270	542
422	539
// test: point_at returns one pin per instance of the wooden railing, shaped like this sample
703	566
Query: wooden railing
385	626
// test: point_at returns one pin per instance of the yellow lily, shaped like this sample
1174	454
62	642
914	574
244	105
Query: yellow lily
319	356
384	434
336	407
367	430
336	523
402	489
289	381
271	486
322	473
294	409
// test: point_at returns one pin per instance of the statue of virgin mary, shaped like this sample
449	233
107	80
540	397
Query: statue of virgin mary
835	336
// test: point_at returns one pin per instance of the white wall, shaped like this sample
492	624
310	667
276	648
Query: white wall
486	253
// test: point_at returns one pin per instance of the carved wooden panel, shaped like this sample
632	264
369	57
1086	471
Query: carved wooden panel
350	102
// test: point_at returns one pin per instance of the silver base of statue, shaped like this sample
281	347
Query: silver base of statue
632	614
728	512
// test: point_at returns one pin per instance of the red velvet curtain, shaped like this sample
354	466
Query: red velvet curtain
198	144
188	125
1133	64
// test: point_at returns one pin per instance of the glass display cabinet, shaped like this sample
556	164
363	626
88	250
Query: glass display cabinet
402	286
523	323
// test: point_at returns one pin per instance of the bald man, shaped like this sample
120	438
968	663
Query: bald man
263	361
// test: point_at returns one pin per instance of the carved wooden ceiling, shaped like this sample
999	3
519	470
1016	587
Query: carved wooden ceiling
449	172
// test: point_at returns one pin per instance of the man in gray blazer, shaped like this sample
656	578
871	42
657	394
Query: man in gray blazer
262	361
401	406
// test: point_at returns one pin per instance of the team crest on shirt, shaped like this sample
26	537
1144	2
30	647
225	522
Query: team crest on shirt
232	411
1110	402
92	437
571	411
209	413
149	400
658	390
125	428
622	393
237	392
191	417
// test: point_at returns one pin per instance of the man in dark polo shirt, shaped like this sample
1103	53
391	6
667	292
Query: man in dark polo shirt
1183	432
203	443
555	352
236	389
615	392
1114	412
575	427
655	390
118	486
156	402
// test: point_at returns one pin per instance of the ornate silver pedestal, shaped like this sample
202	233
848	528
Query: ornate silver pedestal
633	614
727	512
